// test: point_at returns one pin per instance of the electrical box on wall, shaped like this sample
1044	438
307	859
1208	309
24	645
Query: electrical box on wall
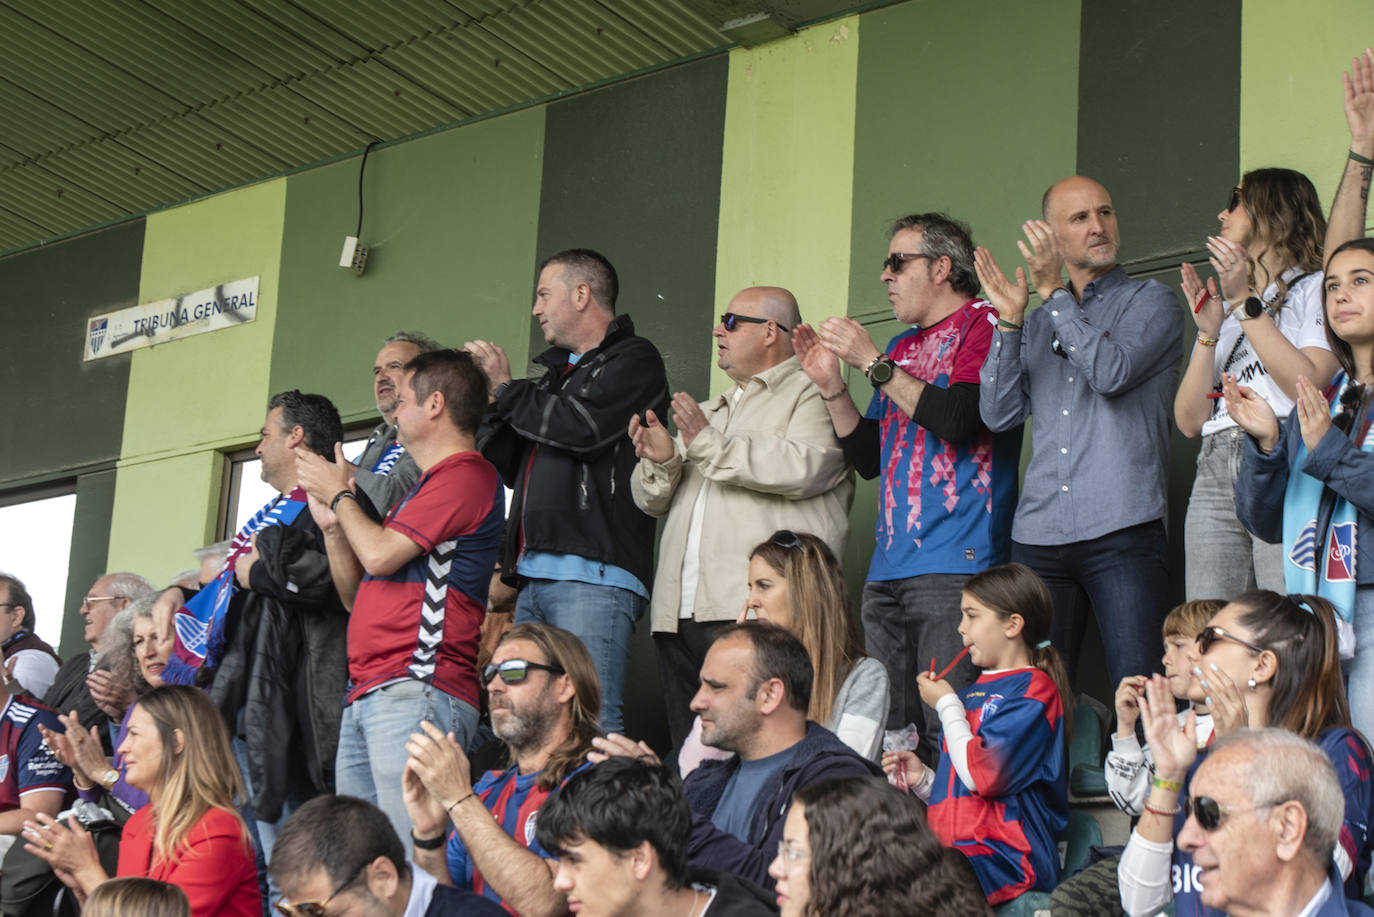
354	255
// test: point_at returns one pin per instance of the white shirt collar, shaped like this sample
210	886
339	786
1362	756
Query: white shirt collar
422	886
1312	906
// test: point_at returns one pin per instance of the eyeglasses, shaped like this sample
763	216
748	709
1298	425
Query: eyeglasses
731	321
786	539
514	671
1350	400
790	855
1210	635
895	261
92	599
315	908
1209	813
1232	204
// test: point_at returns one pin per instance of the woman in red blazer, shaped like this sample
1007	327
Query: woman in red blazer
189	835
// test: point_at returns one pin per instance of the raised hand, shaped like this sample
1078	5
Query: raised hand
492	360
1224	700
903	768
616	745
1212	313
820	365
1009	298
1252	412
1314	414
1043	257
932	689
1229	260
652	440
848	340
1359	101
1174	750
688	417
439	762
1128	703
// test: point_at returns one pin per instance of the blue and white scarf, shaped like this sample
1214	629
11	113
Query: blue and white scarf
1313	515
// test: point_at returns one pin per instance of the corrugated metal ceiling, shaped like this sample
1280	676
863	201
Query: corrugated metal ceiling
116	107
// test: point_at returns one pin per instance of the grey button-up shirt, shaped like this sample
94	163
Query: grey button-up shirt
1100	412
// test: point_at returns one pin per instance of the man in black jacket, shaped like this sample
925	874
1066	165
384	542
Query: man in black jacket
281	678
580	548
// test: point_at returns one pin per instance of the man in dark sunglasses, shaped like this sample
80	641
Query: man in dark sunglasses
476	831
947	484
1094	368
1264	815
760	457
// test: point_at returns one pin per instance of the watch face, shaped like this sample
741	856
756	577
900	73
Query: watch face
1253	307
881	372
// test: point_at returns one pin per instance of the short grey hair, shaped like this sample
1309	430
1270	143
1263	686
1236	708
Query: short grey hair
942	236
421	340
219	549
1284	767
129	586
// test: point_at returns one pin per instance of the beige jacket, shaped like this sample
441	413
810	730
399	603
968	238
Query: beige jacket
771	462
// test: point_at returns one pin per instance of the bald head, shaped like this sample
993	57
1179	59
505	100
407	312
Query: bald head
1080	213
754	346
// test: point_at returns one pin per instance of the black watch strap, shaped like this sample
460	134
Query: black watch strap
431	843
341	495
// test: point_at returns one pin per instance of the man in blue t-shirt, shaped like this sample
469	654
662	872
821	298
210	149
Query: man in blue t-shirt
947	486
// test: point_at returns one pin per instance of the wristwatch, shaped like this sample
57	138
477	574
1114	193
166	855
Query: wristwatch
109	778
1253	307
880	369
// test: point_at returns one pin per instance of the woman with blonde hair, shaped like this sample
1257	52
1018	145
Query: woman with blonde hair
796	583
135	897
190	834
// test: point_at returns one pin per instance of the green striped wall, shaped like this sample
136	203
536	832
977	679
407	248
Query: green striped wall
781	164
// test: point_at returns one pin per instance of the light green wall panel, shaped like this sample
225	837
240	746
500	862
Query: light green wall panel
786	166
1291	112
451	219
190	398
163	509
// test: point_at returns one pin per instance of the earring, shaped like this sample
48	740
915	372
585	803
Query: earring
1251	684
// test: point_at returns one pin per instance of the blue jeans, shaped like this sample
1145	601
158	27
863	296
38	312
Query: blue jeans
602	617
1223	559
1360	670
372	741
1123	577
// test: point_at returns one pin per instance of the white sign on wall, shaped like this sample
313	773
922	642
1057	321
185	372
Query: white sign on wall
222	306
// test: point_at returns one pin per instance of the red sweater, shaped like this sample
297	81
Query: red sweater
218	873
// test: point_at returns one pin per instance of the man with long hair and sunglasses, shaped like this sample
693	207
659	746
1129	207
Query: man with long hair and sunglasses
948	485
1264	814
757	459
416	584
545	700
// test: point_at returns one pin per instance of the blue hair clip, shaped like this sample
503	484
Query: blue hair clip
1043	644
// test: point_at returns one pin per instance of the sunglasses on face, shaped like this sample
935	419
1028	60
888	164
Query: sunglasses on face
731	321
1210	635
895	261
1234	202
315	908
515	671
1210	813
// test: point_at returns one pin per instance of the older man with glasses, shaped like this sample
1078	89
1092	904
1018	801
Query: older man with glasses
758	458
81	676
947	484
1262	818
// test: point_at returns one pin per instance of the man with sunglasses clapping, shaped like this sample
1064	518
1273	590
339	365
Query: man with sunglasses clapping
948	485
745	464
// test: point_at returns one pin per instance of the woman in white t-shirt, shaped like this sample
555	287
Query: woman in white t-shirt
1264	327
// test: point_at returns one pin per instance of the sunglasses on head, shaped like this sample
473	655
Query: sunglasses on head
895	261
785	539
731	321
1210	635
515	671
1210	813
1234	202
